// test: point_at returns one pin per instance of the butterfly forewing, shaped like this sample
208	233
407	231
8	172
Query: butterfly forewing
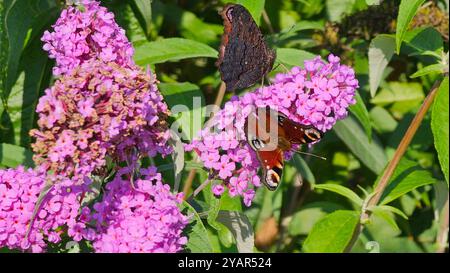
244	56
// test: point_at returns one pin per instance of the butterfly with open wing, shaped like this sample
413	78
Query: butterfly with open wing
244	56
270	133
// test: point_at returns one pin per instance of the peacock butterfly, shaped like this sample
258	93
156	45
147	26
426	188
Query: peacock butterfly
270	133
244	56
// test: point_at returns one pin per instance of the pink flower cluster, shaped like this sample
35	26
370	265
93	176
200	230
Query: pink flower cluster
86	32
96	110
317	95
102	107
144	219
19	192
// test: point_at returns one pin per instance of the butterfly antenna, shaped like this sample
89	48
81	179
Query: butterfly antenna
314	155
285	68
276	66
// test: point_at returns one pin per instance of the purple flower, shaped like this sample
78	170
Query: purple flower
225	167
96	110
83	34
145	219
218	189
317	95
19	192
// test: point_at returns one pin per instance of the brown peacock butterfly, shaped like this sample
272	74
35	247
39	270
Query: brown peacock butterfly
244	56
270	133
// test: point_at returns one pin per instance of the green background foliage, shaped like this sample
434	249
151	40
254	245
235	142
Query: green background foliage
318	205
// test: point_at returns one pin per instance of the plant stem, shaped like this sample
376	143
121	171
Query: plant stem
188	183
287	217
442	237
401	149
266	19
199	189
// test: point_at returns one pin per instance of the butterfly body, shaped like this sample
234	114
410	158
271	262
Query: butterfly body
270	134
244	56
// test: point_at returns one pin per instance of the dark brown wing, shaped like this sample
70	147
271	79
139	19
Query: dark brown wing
244	56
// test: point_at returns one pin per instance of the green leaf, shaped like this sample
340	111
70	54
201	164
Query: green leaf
304	170
401	96
370	153
188	165
230	203
407	10
425	41
407	176
336	10
18	19
373	2
386	216
390	209
381	50
214	203
41	198
12	156
191	26
360	111
293	57
441	191
194	28
300	26
187	106
33	79
255	7
198	240
144	8
382	120
240	227
170	50
440	125
303	221
177	158
346	192
266	204
434	68
303	25
333	233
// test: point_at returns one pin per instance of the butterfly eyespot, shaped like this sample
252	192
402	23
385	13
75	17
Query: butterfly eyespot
312	135
257	144
228	13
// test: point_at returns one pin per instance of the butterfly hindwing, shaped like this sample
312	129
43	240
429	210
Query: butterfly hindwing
271	162
272	167
244	56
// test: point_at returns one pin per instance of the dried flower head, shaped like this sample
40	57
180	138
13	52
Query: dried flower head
96	110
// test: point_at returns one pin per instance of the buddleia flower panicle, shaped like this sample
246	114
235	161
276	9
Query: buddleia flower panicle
144	219
86	32
318	94
58	213
96	110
